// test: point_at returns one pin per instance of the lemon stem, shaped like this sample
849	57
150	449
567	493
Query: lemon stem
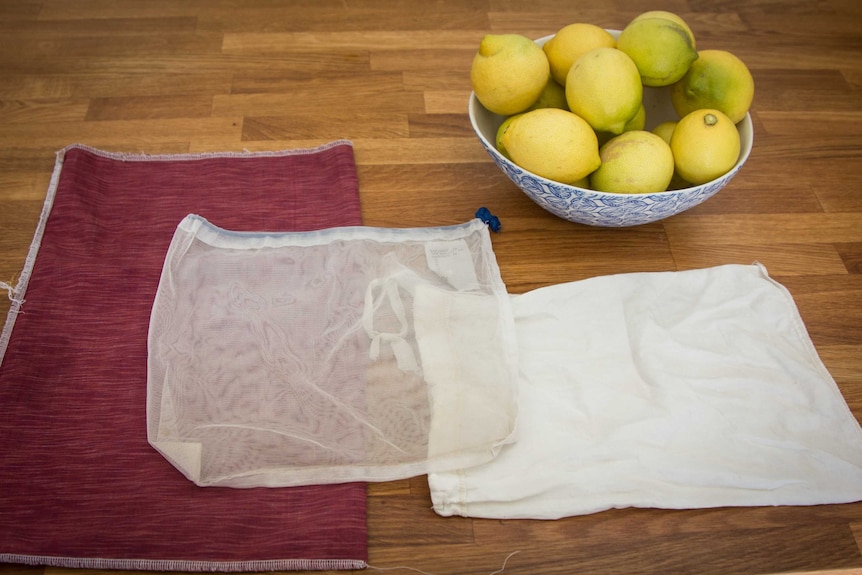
710	119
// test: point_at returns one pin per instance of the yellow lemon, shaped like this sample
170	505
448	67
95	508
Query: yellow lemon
665	130
570	42
508	73
552	143
502	130
717	79
669	16
604	88
662	49
553	96
705	145
636	162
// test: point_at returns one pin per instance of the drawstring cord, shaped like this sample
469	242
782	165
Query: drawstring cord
388	289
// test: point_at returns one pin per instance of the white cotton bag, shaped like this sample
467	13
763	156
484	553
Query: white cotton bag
688	389
346	354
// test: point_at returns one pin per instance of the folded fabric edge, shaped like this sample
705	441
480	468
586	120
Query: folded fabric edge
805	339
186	566
185	456
143	157
465	509
218	237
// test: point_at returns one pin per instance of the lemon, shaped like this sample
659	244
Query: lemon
637	122
502	130
508	73
669	16
705	145
553	96
662	49
604	88
552	143
570	42
636	162
583	183
677	183
717	79
665	130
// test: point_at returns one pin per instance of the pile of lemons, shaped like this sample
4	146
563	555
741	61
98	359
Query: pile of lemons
574	109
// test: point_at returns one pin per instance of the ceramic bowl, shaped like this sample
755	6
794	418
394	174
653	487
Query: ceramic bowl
605	209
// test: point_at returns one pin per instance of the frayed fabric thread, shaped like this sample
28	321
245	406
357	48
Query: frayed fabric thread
10	290
14	292
421	572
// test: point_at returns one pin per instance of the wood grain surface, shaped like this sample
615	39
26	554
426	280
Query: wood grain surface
162	76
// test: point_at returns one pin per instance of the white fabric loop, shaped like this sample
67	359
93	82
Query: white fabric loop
388	288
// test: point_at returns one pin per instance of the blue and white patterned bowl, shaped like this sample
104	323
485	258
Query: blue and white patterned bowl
602	208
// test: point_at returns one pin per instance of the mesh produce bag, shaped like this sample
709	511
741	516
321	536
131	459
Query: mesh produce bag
347	354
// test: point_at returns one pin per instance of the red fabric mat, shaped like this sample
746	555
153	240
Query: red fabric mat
79	484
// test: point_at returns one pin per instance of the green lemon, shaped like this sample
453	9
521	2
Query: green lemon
662	49
553	96
665	130
637	122
669	16
717	79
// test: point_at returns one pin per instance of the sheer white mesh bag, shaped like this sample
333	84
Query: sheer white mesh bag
347	354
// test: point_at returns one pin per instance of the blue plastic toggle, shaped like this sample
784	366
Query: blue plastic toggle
490	219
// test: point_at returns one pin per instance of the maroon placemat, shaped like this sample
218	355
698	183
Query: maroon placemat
79	484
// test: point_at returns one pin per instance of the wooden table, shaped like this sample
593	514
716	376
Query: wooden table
393	76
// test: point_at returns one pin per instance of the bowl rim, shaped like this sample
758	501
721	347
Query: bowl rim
745	148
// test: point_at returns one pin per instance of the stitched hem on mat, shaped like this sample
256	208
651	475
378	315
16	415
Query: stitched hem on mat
184	565
16	294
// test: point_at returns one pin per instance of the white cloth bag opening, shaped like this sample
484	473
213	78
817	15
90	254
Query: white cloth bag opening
674	390
347	354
